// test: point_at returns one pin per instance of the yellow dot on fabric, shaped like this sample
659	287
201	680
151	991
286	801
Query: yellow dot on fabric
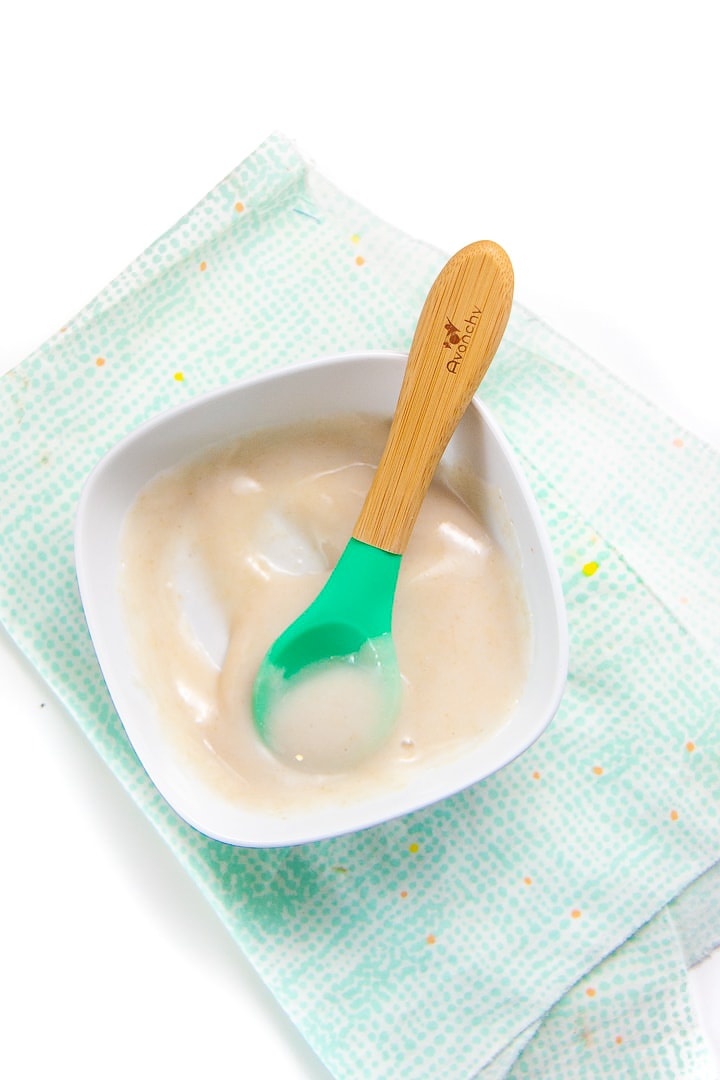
690	746
590	991
355	238
590	568
598	770
360	261
431	939
239	207
203	266
414	848
674	815
178	376
100	362
575	913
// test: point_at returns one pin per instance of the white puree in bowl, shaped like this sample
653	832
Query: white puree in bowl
335	713
220	555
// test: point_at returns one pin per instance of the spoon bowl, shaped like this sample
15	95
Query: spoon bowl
349	623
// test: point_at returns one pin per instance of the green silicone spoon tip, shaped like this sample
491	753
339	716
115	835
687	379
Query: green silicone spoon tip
354	607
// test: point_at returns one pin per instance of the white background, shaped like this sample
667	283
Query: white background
581	137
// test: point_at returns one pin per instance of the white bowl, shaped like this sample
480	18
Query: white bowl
362	383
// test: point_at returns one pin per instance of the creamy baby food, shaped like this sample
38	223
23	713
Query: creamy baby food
223	552
335	713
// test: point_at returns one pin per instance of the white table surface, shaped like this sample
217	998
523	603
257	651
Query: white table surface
585	147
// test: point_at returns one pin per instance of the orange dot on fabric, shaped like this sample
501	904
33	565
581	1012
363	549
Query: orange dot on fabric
100	362
590	568
359	260
536	775
239	207
575	913
431	939
678	442
178	376
414	848
527	880
590	991
674	815
63	329
690	746
203	265
404	894
618	1039
598	770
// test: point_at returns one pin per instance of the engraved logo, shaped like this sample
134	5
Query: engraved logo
452	336
458	338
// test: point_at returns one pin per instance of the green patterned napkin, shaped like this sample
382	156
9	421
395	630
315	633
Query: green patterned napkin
539	924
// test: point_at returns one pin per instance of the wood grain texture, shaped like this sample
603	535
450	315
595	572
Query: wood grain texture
457	335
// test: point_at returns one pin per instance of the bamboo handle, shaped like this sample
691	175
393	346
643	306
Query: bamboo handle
457	335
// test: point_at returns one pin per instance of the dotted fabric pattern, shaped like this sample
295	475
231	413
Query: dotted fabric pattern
537	924
622	1019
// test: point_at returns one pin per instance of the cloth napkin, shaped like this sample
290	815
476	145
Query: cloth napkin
539	924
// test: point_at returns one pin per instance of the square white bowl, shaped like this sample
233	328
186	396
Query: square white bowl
367	383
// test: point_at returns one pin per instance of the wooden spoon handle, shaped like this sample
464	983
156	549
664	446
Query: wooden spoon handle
457	335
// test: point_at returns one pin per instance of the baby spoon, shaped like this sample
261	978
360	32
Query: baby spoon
350	621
